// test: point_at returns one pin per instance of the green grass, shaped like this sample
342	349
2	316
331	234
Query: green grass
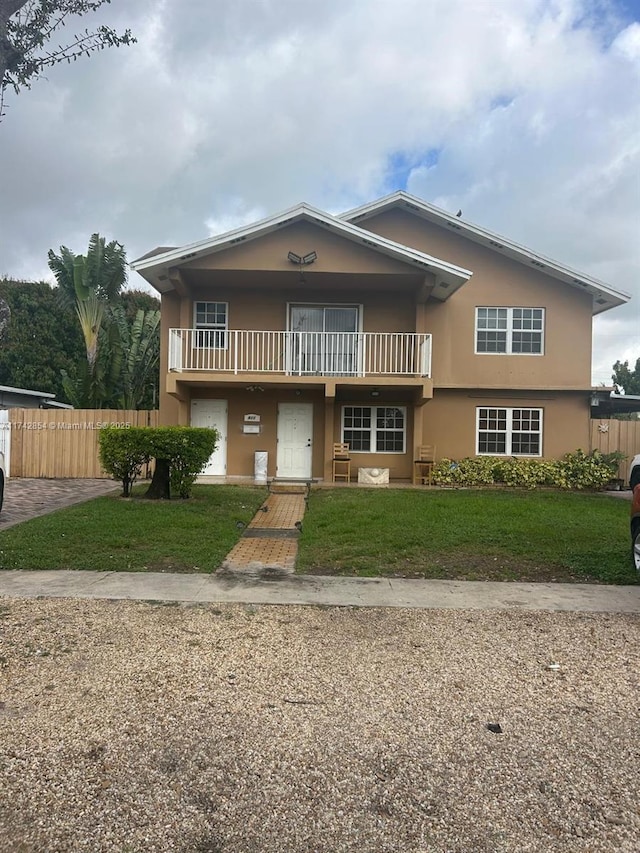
112	534
468	534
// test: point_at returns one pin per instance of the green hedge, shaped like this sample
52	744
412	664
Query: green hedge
578	470
123	452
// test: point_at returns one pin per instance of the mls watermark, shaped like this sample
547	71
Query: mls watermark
50	427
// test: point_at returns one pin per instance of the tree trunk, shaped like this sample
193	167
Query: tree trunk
160	486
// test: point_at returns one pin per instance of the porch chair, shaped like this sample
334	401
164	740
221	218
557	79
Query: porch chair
341	462
423	464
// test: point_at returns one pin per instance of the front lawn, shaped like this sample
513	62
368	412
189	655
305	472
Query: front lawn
468	534
112	534
463	534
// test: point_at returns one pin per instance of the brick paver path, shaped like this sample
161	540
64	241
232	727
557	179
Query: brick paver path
26	497
270	542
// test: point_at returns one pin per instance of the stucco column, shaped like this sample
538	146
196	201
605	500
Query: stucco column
418	429
329	438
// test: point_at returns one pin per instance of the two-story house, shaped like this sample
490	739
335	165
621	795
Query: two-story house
392	326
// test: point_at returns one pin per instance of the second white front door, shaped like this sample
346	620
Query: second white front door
295	440
213	414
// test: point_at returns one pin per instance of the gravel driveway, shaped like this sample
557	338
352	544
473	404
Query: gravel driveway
138	727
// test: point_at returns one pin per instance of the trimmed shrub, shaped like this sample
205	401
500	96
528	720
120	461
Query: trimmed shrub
180	453
578	470
186	449
122	454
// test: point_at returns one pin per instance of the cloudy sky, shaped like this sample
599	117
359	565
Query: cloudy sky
524	113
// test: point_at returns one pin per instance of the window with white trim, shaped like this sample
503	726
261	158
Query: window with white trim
509	432
211	320
511	331
374	429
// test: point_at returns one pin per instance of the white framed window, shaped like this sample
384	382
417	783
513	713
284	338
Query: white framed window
508	432
375	429
211	324
510	331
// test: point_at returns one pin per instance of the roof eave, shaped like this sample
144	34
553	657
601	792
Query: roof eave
604	297
154	268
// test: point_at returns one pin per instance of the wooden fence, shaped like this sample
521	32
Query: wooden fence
60	443
610	435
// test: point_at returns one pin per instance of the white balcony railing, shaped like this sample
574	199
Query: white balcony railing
301	353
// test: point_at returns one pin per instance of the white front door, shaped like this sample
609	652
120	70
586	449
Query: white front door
213	414
295	440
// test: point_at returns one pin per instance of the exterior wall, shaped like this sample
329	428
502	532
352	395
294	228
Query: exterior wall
266	310
170	411
501	282
241	447
450	421
335	253
258	283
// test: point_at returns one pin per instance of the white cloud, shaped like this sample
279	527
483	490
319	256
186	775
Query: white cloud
230	111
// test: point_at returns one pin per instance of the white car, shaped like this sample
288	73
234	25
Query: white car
2	478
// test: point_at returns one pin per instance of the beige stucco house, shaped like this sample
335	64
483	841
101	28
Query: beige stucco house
392	326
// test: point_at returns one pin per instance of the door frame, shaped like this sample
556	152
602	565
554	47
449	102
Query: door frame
310	407
223	448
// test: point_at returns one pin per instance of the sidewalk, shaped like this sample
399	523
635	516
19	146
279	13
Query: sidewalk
321	591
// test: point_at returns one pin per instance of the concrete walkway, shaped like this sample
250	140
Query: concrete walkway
320	590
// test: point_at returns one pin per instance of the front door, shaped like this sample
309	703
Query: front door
295	441
213	414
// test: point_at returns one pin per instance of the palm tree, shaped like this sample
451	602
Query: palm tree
92	283
103	271
140	352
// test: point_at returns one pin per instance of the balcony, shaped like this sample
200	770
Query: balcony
357	354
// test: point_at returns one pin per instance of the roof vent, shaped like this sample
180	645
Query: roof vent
237	240
582	283
538	264
601	301
454	225
497	245
411	206
190	255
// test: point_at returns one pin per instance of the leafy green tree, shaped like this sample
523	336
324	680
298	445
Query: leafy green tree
139	343
101	272
26	28
42	338
94	282
136	300
121	330
627	378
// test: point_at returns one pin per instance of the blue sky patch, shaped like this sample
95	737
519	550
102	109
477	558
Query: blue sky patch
400	164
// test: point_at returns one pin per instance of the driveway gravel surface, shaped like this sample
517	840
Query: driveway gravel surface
202	728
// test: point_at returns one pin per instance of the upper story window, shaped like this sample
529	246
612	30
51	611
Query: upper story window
509	432
512	331
325	340
211	322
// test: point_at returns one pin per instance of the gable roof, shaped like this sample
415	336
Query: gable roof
154	266
603	295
